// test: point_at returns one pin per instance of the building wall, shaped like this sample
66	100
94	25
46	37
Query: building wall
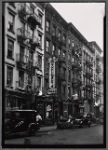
13	9
88	78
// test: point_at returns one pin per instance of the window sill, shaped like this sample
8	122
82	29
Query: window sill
40	48
9	86
40	27
10	58
11	31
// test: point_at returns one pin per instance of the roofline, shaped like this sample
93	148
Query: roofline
94	43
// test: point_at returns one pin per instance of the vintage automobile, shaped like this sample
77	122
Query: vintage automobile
86	121
18	121
69	123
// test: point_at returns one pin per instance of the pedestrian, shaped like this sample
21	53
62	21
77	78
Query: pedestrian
39	119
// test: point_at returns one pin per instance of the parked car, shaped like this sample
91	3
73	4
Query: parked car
63	123
17	121
92	117
69	123
86	121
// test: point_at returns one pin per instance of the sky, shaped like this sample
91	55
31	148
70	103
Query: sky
86	17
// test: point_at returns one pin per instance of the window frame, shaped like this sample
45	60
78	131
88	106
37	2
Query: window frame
9	69
11	24
9	49
20	79
47	27
47	46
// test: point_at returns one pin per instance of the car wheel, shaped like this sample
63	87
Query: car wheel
32	130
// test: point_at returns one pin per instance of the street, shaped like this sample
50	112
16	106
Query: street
88	135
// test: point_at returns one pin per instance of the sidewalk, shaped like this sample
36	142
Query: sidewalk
48	128
54	127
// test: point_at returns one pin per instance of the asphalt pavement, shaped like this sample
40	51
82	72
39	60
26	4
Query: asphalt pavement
52	135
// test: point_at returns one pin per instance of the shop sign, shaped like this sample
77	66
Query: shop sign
52	90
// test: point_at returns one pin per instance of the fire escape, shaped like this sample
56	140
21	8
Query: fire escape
26	39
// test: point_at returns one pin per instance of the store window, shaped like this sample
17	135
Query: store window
10	48
9	76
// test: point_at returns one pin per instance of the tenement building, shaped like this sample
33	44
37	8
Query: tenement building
49	65
97	76
55	62
87	77
24	53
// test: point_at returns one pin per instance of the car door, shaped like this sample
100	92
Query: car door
18	122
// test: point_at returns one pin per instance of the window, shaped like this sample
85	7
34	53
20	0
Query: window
73	44
12	4
64	38
69	41
40	62
53	49
59	34
11	23
31	32
69	94
64	72
64	54
30	59
29	79
39	83
10	48
40	39
73	60
22	54
21	79
59	51
40	18
69	57
47	84
47	26
69	75
54	31
47	45
64	88
9	76
31	9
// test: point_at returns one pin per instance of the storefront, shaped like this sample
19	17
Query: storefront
48	107
17	99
